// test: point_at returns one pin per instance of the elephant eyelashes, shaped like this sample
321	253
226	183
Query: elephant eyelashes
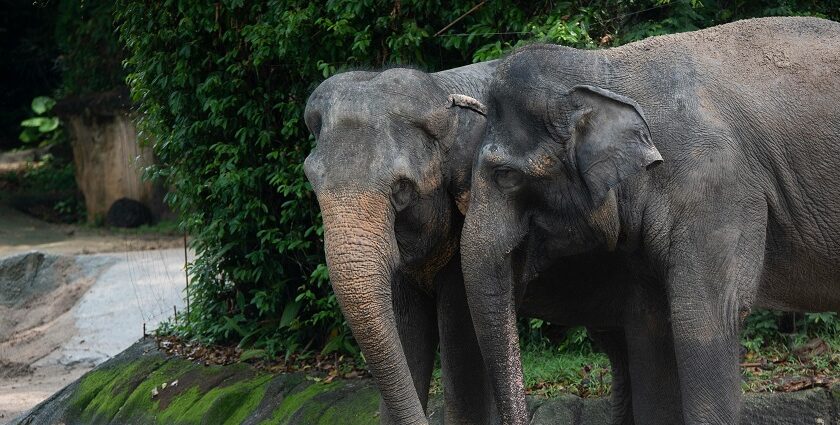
402	194
507	178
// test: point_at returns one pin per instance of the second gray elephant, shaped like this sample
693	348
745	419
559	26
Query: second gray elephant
743	212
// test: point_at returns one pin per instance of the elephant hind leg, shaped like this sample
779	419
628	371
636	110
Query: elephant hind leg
613	343
653	373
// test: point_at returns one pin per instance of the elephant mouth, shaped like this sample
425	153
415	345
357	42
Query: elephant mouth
424	272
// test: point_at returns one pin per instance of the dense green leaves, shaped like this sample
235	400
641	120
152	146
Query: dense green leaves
90	58
221	88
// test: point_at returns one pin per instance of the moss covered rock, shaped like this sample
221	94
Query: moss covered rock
144	386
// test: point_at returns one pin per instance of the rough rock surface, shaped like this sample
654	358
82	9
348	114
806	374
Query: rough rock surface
143	386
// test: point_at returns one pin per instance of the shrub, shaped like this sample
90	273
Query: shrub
91	55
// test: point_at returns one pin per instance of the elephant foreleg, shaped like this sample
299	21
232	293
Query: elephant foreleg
468	393
650	352
415	315
712	280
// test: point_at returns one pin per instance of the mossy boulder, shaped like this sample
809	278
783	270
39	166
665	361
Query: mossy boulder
144	386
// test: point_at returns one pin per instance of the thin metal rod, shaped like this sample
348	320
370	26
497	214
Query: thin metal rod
187	276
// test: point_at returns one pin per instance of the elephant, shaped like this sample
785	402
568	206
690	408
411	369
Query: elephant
391	170
701	167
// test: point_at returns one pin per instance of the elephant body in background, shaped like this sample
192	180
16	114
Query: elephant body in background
391	171
702	168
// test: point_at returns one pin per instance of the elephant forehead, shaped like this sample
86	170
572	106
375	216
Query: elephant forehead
392	91
352	153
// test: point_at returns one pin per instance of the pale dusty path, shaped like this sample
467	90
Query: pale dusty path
22	233
96	310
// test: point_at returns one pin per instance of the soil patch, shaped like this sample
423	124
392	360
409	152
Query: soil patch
14	369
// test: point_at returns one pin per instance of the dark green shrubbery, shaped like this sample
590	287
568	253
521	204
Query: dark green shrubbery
91	55
221	88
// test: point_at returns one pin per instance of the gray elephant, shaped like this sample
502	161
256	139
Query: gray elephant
391	165
703	167
391	172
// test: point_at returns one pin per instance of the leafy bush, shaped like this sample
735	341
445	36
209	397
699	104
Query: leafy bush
221	86
765	328
91	56
46	187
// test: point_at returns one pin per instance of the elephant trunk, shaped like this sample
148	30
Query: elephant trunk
489	285
361	255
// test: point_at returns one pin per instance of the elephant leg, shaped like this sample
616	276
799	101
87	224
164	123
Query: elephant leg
653	369
613	343
712	281
468	393
416	320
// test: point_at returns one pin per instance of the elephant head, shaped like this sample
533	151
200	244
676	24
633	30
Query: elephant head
390	169
544	185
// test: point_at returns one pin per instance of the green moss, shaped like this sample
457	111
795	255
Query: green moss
179	409
123	393
835	392
301	403
358	407
89	387
101	394
229	404
141	405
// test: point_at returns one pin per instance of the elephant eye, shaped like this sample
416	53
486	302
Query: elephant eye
403	193
507	178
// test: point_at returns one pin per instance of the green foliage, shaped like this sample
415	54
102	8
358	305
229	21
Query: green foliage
91	56
50	181
42	129
549	370
221	86
764	328
49	174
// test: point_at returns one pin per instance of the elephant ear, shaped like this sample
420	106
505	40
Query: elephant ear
470	129
610	139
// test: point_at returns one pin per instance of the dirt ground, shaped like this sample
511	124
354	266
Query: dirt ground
22	233
35	329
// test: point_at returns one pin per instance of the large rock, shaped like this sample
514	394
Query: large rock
128	213
143	386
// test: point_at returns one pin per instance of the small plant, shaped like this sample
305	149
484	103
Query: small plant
43	129
760	329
